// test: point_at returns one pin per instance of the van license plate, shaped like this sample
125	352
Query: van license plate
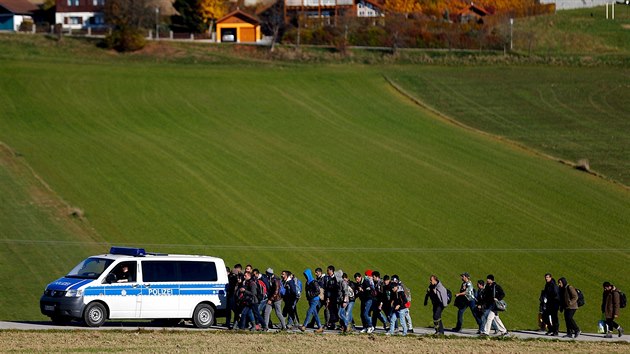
49	307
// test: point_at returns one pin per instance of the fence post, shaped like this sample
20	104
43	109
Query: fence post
150	34
89	32
170	34
192	37
34	28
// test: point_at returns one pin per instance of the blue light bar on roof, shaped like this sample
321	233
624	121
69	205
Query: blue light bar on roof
127	251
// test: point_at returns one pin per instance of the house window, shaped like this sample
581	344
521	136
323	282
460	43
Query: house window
73	2
75	20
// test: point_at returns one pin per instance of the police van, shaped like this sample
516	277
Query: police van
129	283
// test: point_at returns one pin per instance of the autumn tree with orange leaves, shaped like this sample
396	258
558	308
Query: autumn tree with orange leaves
404	7
212	10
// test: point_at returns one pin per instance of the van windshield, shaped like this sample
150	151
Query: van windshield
90	268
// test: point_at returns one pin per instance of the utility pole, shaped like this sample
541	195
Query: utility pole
157	22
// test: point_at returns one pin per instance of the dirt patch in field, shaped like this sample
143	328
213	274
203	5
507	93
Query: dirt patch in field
230	342
625	26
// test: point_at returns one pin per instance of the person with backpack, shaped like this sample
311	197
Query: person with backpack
407	291
611	305
550	303
464	299
377	302
399	308
274	300
569	304
312	295
492	292
290	299
352	293
249	301
261	293
439	299
365	294
342	300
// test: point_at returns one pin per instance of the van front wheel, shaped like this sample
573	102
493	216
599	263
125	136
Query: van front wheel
95	314
203	317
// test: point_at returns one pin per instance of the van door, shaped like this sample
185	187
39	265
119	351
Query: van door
121	291
160	289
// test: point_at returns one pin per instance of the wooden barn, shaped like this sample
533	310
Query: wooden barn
238	27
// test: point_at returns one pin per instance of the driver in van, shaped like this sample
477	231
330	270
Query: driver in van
125	275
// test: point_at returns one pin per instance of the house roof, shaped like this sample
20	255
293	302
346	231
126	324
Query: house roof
243	16
375	3
18	6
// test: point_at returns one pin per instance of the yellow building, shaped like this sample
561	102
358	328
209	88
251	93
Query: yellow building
239	27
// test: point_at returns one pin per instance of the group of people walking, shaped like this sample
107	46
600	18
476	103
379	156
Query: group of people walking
561	296
252	296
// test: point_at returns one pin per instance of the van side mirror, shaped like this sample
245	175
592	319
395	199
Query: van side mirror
110	278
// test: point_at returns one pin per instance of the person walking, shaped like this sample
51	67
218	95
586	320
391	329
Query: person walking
365	294
611	304
550	301
331	293
312	295
399	309
274	300
439	299
249	302
342	300
568	304
290	299
407	291
377	300
352	296
464	299
492	293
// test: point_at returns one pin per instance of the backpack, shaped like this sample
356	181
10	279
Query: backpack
261	290
449	295
283	290
312	289
580	300
407	292
622	300
298	287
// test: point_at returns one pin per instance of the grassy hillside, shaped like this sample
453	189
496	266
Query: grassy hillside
286	166
569	113
575	32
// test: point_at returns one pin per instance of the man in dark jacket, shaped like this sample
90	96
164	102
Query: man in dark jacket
611	301
235	279
550	301
568	304
399	309
249	301
492	292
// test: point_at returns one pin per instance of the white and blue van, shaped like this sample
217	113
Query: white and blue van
129	283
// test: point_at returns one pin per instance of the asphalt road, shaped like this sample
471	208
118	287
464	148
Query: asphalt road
134	326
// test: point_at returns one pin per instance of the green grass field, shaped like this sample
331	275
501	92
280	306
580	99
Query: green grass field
288	166
567	112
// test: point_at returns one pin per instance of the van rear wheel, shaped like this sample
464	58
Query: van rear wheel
203	317
95	314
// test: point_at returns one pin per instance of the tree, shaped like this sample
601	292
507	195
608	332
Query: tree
212	10
404	7
129	18
190	15
272	22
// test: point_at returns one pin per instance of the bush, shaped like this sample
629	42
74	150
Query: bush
125	40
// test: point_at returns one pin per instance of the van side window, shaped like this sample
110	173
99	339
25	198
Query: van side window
159	271
198	271
175	271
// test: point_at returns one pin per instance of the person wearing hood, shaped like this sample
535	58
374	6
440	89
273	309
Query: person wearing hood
439	299
568	304
550	301
274	300
312	295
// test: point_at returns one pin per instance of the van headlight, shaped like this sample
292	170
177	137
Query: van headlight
74	293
